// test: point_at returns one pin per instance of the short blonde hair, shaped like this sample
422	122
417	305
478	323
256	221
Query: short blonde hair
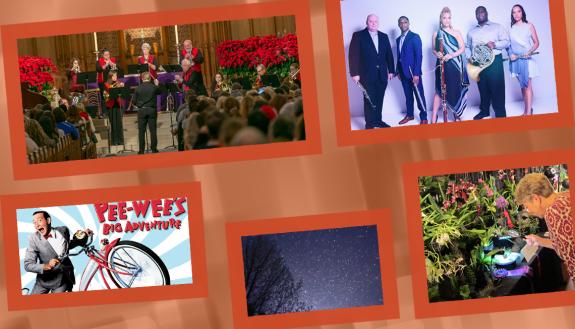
533	184
146	45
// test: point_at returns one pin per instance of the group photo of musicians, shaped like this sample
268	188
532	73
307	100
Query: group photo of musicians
454	61
162	89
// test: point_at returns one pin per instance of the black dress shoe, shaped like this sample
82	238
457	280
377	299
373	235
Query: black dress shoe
383	125
480	116
369	127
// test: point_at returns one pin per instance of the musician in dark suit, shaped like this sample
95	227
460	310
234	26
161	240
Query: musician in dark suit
371	64
409	58
146	102
46	255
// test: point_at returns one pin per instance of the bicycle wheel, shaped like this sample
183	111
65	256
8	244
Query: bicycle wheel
135	265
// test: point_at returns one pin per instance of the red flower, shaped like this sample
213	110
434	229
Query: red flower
241	56
36	72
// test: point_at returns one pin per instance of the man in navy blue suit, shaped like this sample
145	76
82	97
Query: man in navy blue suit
409	57
371	65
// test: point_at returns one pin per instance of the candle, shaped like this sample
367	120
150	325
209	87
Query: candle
177	38
95	42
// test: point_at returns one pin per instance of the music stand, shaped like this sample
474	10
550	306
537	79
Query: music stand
138	68
270	80
173	68
244	81
123	92
170	88
119	72
87	77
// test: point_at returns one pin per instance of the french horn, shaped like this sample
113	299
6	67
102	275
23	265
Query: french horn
481	58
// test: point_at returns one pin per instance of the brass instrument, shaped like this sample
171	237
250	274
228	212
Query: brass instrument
115	84
481	58
223	86
112	65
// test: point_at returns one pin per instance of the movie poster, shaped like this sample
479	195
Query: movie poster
124	244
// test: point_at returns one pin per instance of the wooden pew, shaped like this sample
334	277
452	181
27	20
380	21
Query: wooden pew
65	150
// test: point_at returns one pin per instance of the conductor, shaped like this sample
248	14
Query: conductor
146	103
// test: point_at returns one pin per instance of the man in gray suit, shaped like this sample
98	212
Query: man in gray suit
49	245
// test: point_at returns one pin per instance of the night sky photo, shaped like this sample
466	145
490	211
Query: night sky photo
312	270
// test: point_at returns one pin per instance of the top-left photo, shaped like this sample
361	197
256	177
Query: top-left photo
160	89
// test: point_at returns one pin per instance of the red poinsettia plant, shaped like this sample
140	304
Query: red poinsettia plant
238	58
36	72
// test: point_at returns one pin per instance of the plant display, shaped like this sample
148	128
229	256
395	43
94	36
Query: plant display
239	58
36	73
462	214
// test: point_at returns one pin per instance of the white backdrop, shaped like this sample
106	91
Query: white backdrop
424	19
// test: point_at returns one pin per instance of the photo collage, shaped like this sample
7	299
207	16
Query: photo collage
287	164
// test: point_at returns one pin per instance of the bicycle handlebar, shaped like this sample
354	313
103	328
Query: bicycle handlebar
83	249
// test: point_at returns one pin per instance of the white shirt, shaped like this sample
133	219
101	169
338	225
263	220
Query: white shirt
58	243
375	39
401	41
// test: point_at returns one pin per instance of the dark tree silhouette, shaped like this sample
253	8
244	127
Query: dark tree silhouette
270	286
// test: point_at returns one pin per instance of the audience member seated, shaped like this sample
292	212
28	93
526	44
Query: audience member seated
229	129
214	121
259	120
232	107
77	121
67	127
246	105
48	123
278	101
282	130
237	90
36	133
90	127
31	145
248	136
220	102
191	131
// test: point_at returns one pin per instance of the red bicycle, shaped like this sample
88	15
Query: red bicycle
128	264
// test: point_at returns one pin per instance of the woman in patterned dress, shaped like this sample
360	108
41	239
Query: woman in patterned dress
453	58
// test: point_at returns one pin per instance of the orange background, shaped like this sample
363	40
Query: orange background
338	180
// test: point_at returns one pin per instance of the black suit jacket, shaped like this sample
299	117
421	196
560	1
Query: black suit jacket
365	61
145	95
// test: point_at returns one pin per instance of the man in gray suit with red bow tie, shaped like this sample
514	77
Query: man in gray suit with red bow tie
46	255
